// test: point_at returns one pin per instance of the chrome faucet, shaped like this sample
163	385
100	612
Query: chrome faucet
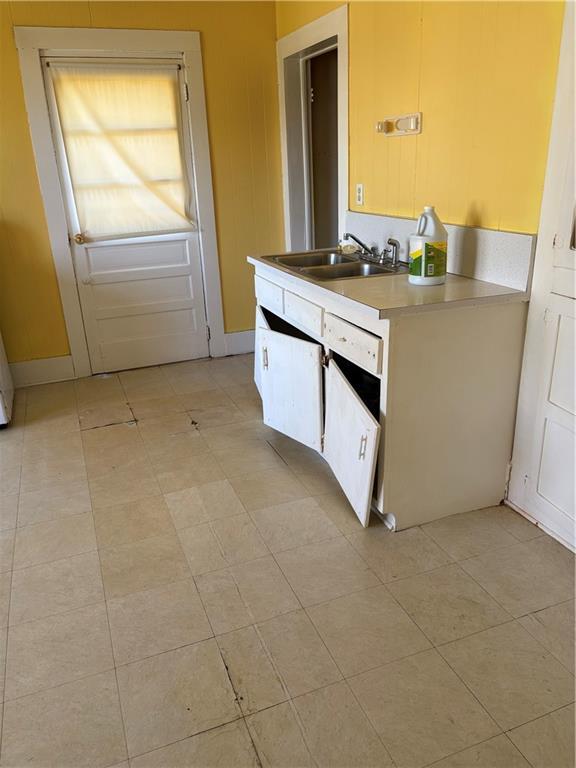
371	253
368	250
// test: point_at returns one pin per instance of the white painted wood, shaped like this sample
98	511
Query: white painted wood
240	342
32	42
333	24
291	386
304	313
352	342
259	324
543	472
42	371
269	295
350	441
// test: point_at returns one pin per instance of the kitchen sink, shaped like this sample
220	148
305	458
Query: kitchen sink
353	269
317	259
332	264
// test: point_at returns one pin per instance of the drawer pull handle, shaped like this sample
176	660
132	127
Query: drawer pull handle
363	446
265	358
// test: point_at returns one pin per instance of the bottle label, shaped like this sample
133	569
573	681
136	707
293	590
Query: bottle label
429	261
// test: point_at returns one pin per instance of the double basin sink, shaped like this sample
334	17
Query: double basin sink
333	265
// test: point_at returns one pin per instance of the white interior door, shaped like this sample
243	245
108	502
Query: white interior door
290	374
123	143
350	441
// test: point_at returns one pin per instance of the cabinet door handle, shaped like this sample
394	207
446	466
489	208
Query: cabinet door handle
265	358
363	446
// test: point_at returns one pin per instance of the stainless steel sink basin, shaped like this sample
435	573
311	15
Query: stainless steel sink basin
318	259
353	269
331	264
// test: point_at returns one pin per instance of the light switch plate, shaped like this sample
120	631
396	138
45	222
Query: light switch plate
359	194
400	125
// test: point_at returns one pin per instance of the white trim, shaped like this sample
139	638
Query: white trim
31	42
334	24
240	343
42	371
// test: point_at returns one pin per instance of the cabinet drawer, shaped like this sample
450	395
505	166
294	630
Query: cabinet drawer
269	295
352	342
307	315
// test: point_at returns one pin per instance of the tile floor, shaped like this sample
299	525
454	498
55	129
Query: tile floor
182	586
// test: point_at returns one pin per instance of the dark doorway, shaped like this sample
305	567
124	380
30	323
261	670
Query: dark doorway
323	155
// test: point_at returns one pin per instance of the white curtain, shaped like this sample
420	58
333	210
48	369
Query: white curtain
120	125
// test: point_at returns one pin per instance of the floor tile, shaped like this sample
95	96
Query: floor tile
53	448
122	486
526	577
77	725
48	473
175	695
337	731
549	741
294	524
239	539
222	601
299	655
57	587
5	582
223	747
54	540
248	434
498	752
103	414
510	673
3	647
142	565
320	572
188	472
248	460
554	629
8	512
366	629
6	550
319	481
133	521
10	481
202	549
469	534
268	488
209	501
396	555
166	451
421	709
205	398
115	458
264	589
337	507
57	649
513	522
447	604
163	427
253	677
155	407
60	501
157	620
278	738
97	441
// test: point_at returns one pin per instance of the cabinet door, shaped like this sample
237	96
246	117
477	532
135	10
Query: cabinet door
291	386
261	322
350	441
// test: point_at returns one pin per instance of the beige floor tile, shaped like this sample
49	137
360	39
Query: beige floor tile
447	604
421	709
253	677
526	577
300	656
11	455
175	695
498	752
294	524
222	601
39	426
167	451
239	539
264	589
224	747
5	582
6	550
366	629
156	407
298	457
113	458
104	414
520	527
160	428
210	501
469	534
62	500
103	387
207	398
142	519
77	725
249	434
549	741
53	448
48	473
157	620
57	587
54	540
142	565
3	647
554	629
218	416
187	472
8	512
324	571
268	488
337	731
97	441
57	649
511	674
337	507
319	481
123	486
399	554
278	738
9	481
248	460
202	549
145	384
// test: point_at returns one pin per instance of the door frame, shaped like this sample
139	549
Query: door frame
293	51
32	42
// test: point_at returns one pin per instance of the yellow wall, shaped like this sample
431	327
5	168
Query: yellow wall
238	46
290	15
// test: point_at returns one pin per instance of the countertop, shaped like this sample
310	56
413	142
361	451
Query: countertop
388	295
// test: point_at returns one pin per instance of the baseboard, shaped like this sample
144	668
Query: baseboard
240	343
42	371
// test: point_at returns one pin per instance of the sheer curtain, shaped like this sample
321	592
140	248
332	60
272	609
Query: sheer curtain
120	125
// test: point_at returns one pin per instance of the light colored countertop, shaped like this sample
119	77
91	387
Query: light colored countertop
388	295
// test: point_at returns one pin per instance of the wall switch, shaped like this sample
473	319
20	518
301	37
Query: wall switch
359	194
400	125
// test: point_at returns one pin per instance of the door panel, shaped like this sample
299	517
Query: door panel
291	386
350	441
260	323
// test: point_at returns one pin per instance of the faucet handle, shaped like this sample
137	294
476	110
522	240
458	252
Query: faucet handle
395	250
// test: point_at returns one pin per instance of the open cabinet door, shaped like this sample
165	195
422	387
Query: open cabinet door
261	322
350	441
291	386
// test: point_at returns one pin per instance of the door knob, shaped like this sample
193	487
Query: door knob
79	239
